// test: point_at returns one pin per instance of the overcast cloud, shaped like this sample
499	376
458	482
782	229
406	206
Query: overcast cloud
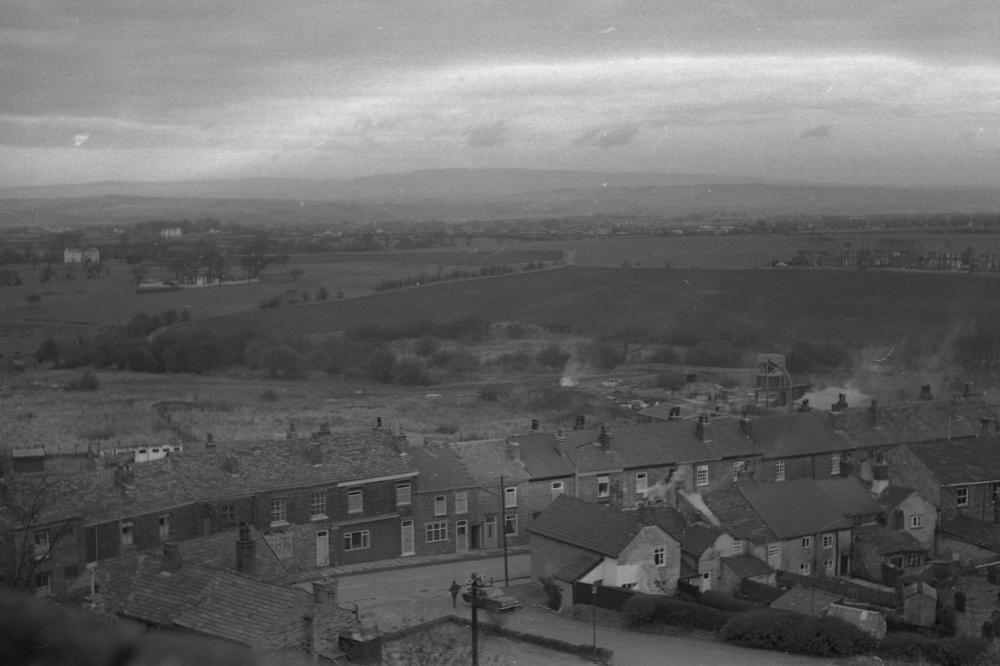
151	90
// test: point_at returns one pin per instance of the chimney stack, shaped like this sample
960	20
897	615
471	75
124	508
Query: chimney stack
746	426
580	423
703	429
402	444
209	441
324	429
560	443
841	403
880	476
925	392
514	450
804	407
171	556
292	434
231	463
534	425
873	414
378	422
325	591
967	391
604	437
675	414
246	552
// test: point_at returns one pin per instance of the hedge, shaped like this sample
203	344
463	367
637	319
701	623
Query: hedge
726	602
585	650
798	634
643	609
947	651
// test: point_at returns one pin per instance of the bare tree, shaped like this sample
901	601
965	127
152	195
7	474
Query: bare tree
33	525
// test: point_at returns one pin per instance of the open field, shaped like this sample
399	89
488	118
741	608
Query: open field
780	305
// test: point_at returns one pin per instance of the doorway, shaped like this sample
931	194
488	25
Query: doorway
323	548
406	537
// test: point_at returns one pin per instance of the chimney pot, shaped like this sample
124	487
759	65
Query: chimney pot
246	552
703	429
171	555
925	392
378	422
325	591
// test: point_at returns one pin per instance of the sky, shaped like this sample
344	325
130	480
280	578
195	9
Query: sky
853	92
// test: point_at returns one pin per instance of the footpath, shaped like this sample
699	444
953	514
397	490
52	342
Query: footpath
408	562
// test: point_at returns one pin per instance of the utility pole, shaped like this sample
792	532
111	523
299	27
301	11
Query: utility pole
474	586
503	532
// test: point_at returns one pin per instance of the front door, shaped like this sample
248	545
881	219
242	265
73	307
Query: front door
406	537
462	536
845	564
490	533
323	548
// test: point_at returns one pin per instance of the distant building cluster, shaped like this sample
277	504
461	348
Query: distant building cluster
902	253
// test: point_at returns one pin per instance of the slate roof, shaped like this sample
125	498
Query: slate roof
487	459
888	541
794	508
577	567
218	551
631	446
910	422
747	566
808	601
699	538
594	527
974	460
981	533
850	496
210	602
799	434
667	518
737	516
893	496
184	478
440	467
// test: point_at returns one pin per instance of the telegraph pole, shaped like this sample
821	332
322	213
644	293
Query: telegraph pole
503	532
474	586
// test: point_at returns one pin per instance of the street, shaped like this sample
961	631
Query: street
399	597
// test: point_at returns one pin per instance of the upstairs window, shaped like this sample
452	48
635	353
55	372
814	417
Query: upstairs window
279	510
660	556
510	497
128	533
403	497
317	505
835	464
701	475
164	527
557	489
603	486
440	505
228	514
916	521
641	483
779	470
41	544
827	541
461	502
807	542
355	500
961	497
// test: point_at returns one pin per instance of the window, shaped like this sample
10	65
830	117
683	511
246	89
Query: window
641	483
402	494
279	510
228	514
357	540
41	544
807	542
961	497
510	524
440	505
913	560
827	541
281	544
603	486
737	548
510	497
128	533
164	527
701	475
436	532
828	566
738	467
43	584
461	502
835	464
779	470
773	552
805	569
557	489
355	500
317	505
916	521
660	556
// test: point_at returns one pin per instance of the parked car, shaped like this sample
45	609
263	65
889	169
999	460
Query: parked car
492	599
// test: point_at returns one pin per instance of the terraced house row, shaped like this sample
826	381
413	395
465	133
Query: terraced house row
314	502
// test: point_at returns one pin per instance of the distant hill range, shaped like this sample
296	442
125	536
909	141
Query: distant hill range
464	194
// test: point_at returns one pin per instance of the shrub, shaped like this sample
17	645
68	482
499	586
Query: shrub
85	382
493	393
665	355
909	647
724	601
553	593
412	372
553	356
816	636
643	609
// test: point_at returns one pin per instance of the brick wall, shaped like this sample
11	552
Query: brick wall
549	556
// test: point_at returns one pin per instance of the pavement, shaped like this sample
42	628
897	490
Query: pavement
408	562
